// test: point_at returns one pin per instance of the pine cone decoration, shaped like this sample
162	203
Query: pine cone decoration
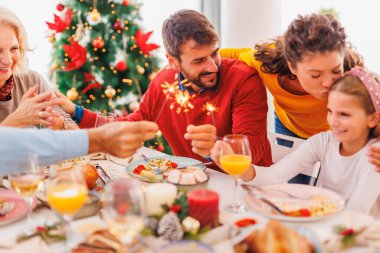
170	227
151	223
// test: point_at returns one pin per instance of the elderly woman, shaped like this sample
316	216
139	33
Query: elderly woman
25	97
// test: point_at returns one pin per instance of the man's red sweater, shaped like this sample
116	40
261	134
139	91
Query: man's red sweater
242	109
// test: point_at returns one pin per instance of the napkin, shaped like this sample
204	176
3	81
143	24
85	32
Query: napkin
369	237
33	245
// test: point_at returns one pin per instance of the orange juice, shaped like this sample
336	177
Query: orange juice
235	165
67	198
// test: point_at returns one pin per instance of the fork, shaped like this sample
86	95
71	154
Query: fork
263	199
277	190
145	158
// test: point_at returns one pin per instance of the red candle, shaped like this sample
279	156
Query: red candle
204	206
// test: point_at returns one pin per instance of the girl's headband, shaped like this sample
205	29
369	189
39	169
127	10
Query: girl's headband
369	82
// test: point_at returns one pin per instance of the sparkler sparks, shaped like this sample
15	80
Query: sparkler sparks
210	108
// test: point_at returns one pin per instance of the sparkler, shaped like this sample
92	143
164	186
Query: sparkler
210	108
180	98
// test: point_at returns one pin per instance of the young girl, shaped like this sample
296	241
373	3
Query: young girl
353	113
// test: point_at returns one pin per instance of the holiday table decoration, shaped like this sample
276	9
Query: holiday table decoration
204	207
157	195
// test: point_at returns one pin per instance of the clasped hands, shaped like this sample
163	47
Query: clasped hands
35	109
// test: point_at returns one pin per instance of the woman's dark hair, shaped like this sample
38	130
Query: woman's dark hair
315	33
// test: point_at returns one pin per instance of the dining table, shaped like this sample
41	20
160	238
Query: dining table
218	181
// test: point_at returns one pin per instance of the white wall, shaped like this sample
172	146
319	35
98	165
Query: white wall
246	22
154	12
33	15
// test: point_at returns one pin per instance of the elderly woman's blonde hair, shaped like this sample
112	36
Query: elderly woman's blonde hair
10	19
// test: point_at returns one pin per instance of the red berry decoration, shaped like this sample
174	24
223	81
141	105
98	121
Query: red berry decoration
118	25
125	3
176	208
98	42
160	148
60	7
121	66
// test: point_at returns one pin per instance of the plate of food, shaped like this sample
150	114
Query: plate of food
12	206
298	202
160	168
274	236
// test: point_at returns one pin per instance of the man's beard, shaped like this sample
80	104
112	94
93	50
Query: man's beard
197	81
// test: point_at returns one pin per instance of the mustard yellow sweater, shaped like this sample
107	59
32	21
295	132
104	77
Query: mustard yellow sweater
304	115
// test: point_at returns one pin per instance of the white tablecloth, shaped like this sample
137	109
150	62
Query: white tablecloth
219	182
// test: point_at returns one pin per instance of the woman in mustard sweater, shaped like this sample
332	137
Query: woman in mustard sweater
299	69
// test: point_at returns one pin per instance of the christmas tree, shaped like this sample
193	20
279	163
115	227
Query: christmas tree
102	58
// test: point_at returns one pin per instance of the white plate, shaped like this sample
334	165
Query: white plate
180	160
277	194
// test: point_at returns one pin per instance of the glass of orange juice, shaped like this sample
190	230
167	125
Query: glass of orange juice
235	158
66	193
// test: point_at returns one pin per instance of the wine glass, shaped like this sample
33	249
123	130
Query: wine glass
104	118
124	209
26	181
235	159
66	193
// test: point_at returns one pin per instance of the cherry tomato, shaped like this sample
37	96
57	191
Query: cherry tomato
245	222
305	212
138	169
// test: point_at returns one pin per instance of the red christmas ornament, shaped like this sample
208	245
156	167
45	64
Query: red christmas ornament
121	66
141	41
60	7
125	3
98	42
118	25
160	148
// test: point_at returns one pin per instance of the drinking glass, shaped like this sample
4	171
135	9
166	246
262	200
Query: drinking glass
26	181
66	193
124	208
104	118
235	159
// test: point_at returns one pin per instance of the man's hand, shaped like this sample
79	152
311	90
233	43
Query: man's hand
121	139
32	110
66	104
202	138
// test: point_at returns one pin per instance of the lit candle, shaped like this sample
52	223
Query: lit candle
204	207
158	194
